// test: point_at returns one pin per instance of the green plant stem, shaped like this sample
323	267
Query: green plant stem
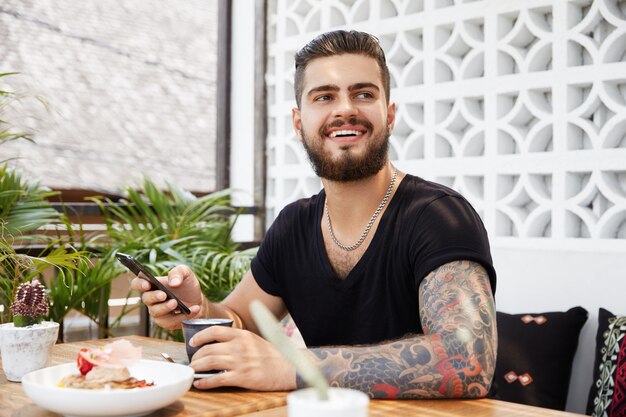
16	283
24	321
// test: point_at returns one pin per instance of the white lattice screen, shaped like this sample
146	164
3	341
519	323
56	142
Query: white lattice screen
519	105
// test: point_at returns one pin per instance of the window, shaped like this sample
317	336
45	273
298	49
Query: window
130	87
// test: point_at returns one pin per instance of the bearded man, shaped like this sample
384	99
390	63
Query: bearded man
388	277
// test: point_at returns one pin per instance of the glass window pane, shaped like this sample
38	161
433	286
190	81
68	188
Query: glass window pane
130	87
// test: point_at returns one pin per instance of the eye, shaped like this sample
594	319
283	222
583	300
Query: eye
323	97
364	95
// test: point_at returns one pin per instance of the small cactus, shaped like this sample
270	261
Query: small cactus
30	305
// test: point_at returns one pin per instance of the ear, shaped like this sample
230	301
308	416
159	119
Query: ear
296	120
391	116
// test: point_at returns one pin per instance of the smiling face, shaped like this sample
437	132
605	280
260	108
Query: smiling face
344	120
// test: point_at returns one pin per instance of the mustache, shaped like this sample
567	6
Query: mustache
340	122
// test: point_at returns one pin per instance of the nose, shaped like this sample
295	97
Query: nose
344	107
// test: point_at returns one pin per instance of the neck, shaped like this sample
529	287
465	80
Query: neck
353	202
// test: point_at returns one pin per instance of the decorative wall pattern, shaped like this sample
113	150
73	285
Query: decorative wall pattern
520	106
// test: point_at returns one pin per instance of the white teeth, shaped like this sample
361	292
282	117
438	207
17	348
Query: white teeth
345	133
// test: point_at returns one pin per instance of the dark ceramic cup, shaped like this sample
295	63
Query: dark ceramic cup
193	326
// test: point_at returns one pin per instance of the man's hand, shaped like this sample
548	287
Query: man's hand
182	281
249	361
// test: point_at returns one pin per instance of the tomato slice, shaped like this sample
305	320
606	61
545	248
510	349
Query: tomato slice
83	362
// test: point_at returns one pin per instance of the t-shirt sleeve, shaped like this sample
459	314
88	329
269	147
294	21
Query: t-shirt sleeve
449	229
263	264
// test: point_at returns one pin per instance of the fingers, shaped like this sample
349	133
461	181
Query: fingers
205	363
212	357
219	349
245	357
214	334
219	356
222	379
166	313
170	317
139	284
175	278
151	298
157	305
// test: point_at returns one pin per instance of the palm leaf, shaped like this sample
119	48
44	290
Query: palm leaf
16	268
165	228
84	289
23	210
8	132
23	204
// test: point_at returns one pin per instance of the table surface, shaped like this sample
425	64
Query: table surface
238	402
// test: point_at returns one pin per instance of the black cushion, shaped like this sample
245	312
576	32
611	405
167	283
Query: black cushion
535	354
607	396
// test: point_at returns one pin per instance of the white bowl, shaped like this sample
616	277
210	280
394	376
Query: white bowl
171	381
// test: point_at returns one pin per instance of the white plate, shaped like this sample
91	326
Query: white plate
171	381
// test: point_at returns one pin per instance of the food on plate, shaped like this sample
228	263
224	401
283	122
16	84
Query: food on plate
106	368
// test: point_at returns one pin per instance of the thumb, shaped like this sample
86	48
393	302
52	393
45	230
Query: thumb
178	274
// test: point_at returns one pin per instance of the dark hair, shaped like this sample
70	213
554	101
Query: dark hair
337	43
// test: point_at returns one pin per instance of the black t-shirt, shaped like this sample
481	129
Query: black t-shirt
425	226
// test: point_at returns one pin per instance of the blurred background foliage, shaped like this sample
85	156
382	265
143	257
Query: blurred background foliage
160	227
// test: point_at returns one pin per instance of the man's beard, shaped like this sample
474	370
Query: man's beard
347	167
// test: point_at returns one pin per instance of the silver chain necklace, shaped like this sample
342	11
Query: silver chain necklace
369	224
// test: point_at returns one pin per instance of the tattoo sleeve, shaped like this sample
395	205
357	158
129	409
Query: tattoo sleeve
454	358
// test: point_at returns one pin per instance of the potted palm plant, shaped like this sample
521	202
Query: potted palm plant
166	227
27	253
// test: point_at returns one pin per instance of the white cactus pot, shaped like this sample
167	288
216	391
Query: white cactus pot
25	349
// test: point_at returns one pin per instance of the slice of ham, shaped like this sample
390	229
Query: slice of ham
120	353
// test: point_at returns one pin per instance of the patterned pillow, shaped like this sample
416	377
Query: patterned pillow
535	354
607	397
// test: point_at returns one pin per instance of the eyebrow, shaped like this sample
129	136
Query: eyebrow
334	87
360	86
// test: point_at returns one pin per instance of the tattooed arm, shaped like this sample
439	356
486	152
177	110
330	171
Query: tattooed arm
455	357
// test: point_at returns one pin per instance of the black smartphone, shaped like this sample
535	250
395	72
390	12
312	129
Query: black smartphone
139	270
